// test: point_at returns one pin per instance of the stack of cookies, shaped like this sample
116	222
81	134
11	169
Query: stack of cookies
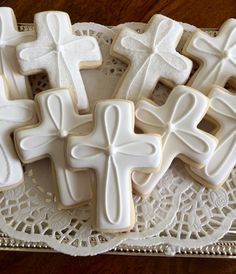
128	143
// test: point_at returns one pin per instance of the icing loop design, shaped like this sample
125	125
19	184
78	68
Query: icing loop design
180	135
152	58
113	150
13	114
60	53
10	37
216	54
223	110
59	119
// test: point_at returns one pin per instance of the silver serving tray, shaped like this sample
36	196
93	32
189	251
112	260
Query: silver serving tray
225	248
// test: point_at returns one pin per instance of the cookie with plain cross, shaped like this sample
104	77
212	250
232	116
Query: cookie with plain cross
13	114
58	119
60	53
152	57
177	122
113	151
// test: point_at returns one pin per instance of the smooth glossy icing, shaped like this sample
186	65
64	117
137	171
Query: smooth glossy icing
60	53
58	120
152	57
113	150
13	114
217	57
177	121
10	37
223	110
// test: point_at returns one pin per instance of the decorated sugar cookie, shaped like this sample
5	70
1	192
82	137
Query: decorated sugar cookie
177	121
13	114
10	37
216	56
60	53
58	119
152	57
220	164
113	150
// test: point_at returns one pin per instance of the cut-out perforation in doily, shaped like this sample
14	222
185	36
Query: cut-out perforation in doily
175	209
204	217
28	212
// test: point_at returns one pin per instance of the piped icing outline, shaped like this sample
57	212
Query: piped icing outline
152	57
10	37
13	114
113	150
216	56
223	111
177	121
60	53
58	119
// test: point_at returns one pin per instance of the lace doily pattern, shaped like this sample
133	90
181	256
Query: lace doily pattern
29	212
204	217
158	209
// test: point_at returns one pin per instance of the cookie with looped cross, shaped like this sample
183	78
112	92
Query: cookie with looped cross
58	119
152	57
113	150
177	121
216	57
60	53
13	114
222	112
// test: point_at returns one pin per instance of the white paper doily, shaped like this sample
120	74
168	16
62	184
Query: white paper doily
204	217
29	213
172	212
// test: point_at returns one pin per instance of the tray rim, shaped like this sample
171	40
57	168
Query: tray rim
221	249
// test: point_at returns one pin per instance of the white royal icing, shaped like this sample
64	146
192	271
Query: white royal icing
177	121
113	150
217	57
152	56
223	110
13	114
60	53
10	37
58	120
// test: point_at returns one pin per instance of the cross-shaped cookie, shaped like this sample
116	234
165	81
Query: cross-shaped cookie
10	37
13	114
60	53
177	122
113	150
220	164
152	57
58	119
216	56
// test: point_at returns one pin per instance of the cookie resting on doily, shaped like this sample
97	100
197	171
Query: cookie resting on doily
177	211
